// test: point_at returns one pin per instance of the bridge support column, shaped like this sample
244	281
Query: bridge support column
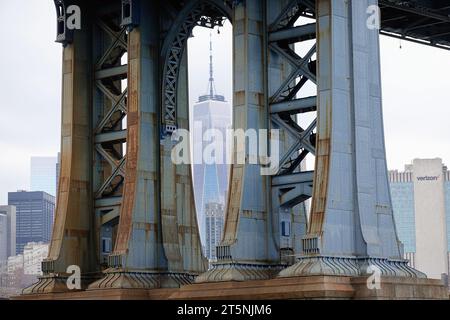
72	237
351	225
157	243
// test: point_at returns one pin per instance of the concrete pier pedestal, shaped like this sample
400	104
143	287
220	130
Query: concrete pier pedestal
309	288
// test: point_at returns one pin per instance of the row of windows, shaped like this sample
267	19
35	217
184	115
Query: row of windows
403	207
34	219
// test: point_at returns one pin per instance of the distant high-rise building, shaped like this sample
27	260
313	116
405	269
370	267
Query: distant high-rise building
421	204
34	217
210	180
7	232
214	228
3	237
43	174
58	168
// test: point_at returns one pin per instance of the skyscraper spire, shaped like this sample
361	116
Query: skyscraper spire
211	70
211	93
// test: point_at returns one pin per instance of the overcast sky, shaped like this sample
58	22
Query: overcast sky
416	91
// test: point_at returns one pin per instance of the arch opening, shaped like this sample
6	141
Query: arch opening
210	65
197	54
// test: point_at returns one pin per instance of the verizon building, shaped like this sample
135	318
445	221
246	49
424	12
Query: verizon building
421	203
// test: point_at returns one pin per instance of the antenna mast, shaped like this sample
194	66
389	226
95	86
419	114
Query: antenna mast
211	70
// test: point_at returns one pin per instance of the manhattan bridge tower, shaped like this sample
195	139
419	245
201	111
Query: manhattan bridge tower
125	93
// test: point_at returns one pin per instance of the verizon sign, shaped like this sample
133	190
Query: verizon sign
428	178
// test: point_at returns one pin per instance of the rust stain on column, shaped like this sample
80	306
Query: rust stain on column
129	193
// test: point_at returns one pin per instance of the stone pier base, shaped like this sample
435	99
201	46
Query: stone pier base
317	287
310	287
104	294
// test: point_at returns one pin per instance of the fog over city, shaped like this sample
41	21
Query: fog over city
416	91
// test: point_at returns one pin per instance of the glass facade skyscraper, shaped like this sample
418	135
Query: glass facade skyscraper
402	191
214	213
210	180
34	217
211	112
43	174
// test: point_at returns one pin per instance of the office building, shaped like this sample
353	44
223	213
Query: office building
7	232
22	270
14	272
58	168
3	275
211	112
43	174
3	237
34	217
421	203
214	228
15	263
33	255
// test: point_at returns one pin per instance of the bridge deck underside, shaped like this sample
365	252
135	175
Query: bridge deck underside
423	21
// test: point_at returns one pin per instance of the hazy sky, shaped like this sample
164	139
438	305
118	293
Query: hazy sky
30	89
416	91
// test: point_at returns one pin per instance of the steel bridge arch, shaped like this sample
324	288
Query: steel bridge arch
173	49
